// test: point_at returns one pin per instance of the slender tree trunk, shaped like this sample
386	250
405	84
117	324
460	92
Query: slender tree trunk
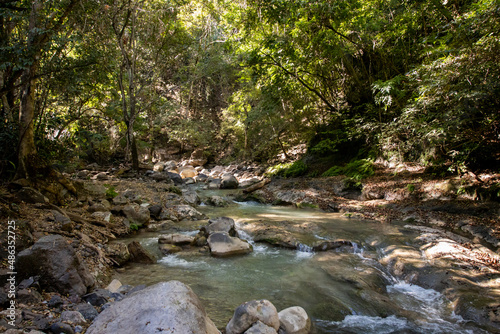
26	146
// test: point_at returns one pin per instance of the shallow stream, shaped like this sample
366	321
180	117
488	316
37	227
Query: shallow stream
345	291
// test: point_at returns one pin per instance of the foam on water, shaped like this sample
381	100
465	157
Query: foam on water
176	261
366	324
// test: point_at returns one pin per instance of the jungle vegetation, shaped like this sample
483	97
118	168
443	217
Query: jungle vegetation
114	81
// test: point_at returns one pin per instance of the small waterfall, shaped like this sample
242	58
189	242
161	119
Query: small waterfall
304	248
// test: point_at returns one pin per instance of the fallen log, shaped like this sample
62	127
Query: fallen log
256	186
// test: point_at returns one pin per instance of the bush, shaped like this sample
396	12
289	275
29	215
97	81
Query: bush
356	169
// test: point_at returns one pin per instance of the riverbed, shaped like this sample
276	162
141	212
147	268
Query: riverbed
346	290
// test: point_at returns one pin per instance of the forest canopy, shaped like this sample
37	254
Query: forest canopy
112	81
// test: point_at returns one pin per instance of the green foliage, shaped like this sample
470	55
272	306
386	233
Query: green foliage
110	191
292	169
410	187
357	170
134	227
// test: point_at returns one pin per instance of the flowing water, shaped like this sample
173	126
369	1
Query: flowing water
345	291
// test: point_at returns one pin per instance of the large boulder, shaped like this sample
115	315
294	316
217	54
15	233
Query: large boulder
136	214
294	320
187	212
59	267
220	224
140	255
222	244
168	307
229	181
250	313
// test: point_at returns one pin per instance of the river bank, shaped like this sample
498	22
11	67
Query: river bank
115	203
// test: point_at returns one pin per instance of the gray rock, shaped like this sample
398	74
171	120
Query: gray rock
138	254
118	251
104	216
59	268
160	177
260	328
222	244
165	307
217	201
191	197
155	211
201	177
175	239
229	181
249	313
102	176
73	317
30	195
187	212
88	311
61	328
28	296
294	320
176	178
327	245
220	224
136	214
170	165
55	301
98	297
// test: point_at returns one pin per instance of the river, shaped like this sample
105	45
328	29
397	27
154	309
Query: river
343	291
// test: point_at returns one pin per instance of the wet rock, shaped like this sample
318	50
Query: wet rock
73	317
191	197
59	268
220	224
294	320
217	201
229	181
249	313
166	249
158	308
163	225
322	246
222	244
30	195
118	251
136	214
187	212
213	183
175	239
139	254
249	182
278	238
